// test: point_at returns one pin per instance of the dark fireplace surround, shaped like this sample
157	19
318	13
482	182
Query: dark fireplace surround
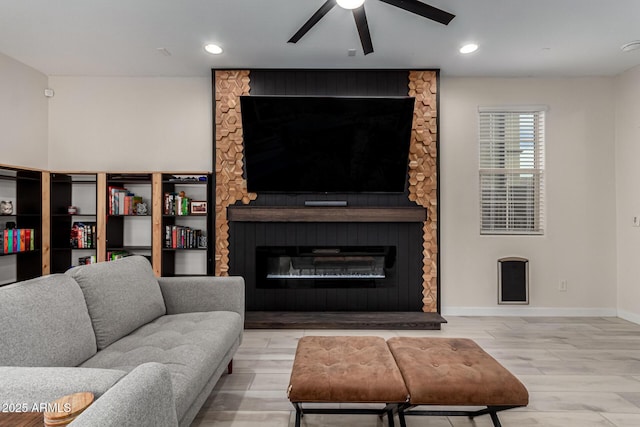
302	259
377	254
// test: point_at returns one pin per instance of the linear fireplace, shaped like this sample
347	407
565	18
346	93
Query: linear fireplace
328	259
325	266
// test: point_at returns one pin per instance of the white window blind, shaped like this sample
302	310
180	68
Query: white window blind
511	170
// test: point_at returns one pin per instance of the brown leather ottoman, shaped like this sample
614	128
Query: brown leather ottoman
345	370
454	372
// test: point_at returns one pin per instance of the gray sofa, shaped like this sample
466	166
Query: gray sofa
150	349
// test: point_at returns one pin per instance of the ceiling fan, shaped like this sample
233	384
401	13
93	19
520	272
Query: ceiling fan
357	6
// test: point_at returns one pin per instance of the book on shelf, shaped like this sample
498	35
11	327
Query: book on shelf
180	237
28	238
114	255
17	240
90	259
122	201
118	254
176	204
83	235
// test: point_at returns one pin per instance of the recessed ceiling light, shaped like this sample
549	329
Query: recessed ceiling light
628	47
350	4
213	49
469	48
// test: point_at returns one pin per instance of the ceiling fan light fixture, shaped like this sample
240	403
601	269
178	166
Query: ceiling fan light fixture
631	46
350	4
213	49
469	48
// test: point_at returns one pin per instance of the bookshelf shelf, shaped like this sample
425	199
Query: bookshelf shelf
16	177
79	190
23	188
127	231
184	249
73	249
178	193
19	253
131	248
24	215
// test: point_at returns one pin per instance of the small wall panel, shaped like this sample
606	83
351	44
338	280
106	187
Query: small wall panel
513	280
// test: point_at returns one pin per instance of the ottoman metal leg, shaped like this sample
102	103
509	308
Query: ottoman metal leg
298	414
495	419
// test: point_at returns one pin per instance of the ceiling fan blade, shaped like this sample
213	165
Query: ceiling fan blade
422	9
363	29
324	9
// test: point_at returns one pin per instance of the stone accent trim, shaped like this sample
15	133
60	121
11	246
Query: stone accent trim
423	175
230	186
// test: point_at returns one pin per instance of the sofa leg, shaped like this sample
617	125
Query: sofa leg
230	367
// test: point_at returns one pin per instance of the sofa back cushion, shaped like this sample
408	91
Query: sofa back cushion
45	322
121	296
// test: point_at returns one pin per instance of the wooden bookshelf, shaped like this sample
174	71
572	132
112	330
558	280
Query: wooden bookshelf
41	199
79	190
175	257
23	188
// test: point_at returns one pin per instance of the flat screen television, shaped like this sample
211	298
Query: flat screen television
310	144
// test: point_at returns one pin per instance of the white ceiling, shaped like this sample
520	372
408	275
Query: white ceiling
121	37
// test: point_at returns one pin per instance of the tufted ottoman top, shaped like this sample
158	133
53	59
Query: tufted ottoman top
345	369
455	371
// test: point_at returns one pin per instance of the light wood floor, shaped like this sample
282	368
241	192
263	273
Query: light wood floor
579	372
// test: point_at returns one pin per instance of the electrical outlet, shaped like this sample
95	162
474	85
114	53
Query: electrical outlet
562	286
636	221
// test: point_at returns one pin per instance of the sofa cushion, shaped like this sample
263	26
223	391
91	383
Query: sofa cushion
191	345
44	322
121	296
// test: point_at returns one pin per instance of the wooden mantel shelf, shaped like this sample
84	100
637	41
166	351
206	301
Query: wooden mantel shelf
325	214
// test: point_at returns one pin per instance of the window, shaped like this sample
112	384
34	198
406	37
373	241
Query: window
512	170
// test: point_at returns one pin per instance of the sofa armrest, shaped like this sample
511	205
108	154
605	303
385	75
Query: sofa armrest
143	398
29	388
203	293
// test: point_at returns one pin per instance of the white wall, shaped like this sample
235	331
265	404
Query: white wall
579	242
627	110
23	115
116	123
130	124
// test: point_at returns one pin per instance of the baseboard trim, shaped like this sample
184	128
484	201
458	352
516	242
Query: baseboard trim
534	312
629	316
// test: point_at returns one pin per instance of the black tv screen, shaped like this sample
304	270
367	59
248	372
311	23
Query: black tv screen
300	144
